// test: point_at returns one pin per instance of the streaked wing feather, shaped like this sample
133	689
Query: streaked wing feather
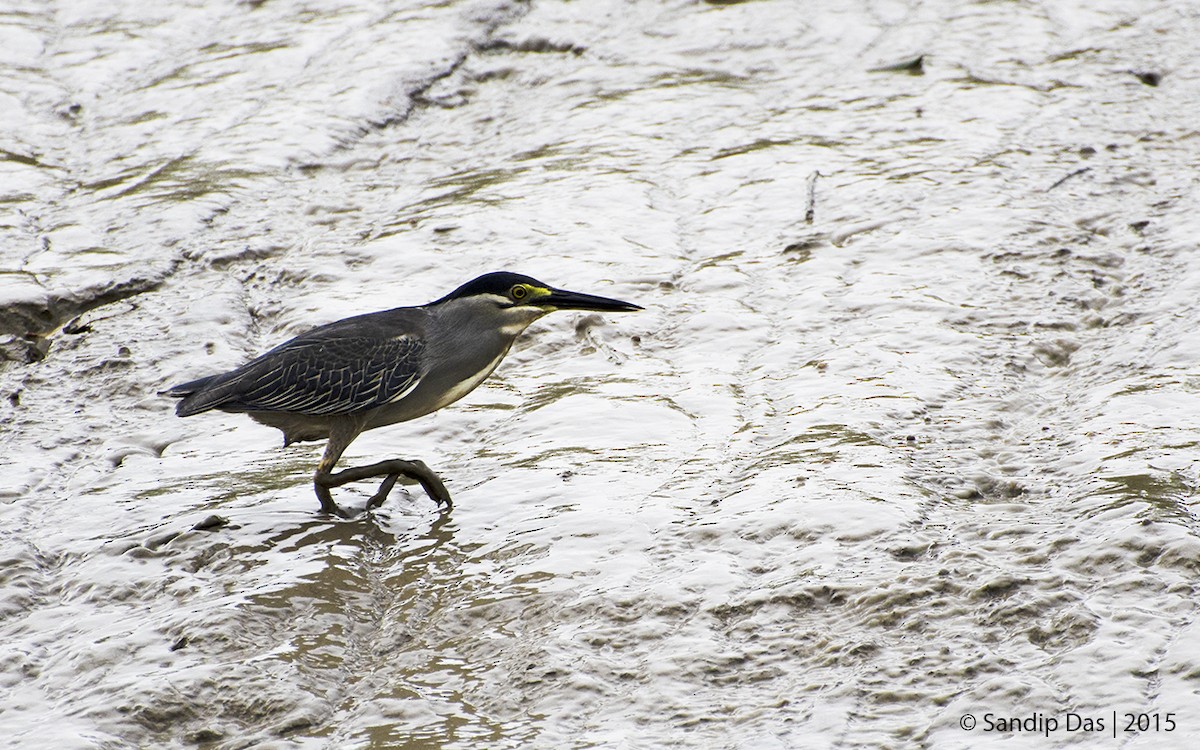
332	376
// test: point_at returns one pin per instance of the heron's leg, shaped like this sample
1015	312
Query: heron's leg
340	437
393	469
377	499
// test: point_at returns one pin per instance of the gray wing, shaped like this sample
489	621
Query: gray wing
318	377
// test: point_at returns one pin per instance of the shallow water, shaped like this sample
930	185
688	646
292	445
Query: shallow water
845	481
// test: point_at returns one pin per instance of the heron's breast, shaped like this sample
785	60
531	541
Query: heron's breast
459	388
433	391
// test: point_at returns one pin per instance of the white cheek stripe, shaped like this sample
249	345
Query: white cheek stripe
515	329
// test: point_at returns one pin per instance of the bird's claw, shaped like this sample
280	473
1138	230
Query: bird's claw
391	470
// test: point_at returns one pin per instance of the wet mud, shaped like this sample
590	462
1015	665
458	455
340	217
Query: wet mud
906	432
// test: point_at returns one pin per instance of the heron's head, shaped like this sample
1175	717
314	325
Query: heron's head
514	301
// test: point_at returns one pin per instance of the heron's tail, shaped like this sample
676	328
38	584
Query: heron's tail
195	396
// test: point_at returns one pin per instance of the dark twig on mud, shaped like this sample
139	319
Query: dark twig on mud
810	203
1076	173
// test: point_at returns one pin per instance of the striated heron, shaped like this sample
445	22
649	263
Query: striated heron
378	369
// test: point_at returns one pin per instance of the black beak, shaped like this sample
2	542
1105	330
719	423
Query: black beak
564	300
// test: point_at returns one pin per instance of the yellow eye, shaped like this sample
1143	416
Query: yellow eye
519	292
